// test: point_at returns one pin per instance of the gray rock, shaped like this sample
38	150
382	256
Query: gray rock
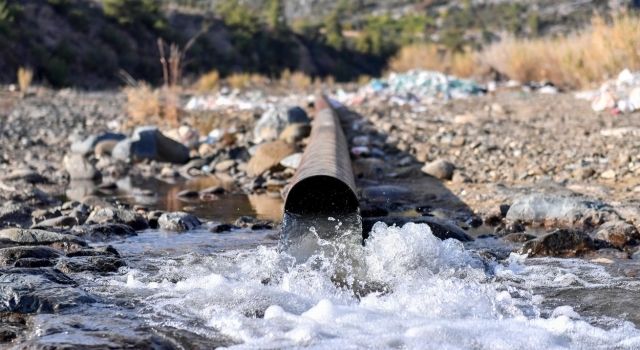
556	210
562	242
178	221
60	221
440	169
18	236
518	237
618	233
275	119
149	143
43	290
79	168
12	214
10	255
26	175
97	264
101	232
118	216
87	146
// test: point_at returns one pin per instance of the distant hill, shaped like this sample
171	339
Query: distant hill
80	43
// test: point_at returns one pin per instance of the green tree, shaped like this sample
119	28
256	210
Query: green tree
128	12
333	28
275	16
5	12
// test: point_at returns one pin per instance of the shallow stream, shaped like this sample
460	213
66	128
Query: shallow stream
404	289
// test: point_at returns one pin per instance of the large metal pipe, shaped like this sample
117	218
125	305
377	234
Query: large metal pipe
323	183
321	201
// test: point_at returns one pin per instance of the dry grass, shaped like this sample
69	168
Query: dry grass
25	77
296	80
208	82
146	105
433	57
577	60
245	80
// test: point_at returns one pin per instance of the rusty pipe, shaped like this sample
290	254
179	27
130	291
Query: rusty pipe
323	183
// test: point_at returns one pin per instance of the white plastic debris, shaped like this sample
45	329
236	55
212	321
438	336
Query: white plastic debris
621	95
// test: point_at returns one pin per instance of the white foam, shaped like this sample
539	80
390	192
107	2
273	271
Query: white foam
434	295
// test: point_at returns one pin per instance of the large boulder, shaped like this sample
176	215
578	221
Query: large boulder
88	145
18	236
269	155
149	143
275	119
43	290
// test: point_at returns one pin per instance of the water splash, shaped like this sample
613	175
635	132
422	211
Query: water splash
433	294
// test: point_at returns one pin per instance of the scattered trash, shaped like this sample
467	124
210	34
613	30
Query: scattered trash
414	87
620	95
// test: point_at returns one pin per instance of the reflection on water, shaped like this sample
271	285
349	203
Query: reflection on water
163	195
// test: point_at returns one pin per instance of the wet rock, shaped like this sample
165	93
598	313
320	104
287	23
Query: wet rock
557	210
518	237
18	236
268	155
188	194
386	193
97	264
8	256
216	190
118	216
12	214
79	168
152	218
61	221
42	290
561	242
220	228
275	119
32	263
440	169
495	215
618	233
368	210
295	132
12	325
178	221
440	228
26	175
100	251
149	143
87	146
101	232
371	168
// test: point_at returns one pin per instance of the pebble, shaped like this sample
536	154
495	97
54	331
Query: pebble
178	222
440	169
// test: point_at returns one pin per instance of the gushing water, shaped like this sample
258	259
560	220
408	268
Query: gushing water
404	288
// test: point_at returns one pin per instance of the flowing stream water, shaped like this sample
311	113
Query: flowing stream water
404	288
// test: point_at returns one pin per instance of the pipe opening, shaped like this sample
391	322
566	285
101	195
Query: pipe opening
321	195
